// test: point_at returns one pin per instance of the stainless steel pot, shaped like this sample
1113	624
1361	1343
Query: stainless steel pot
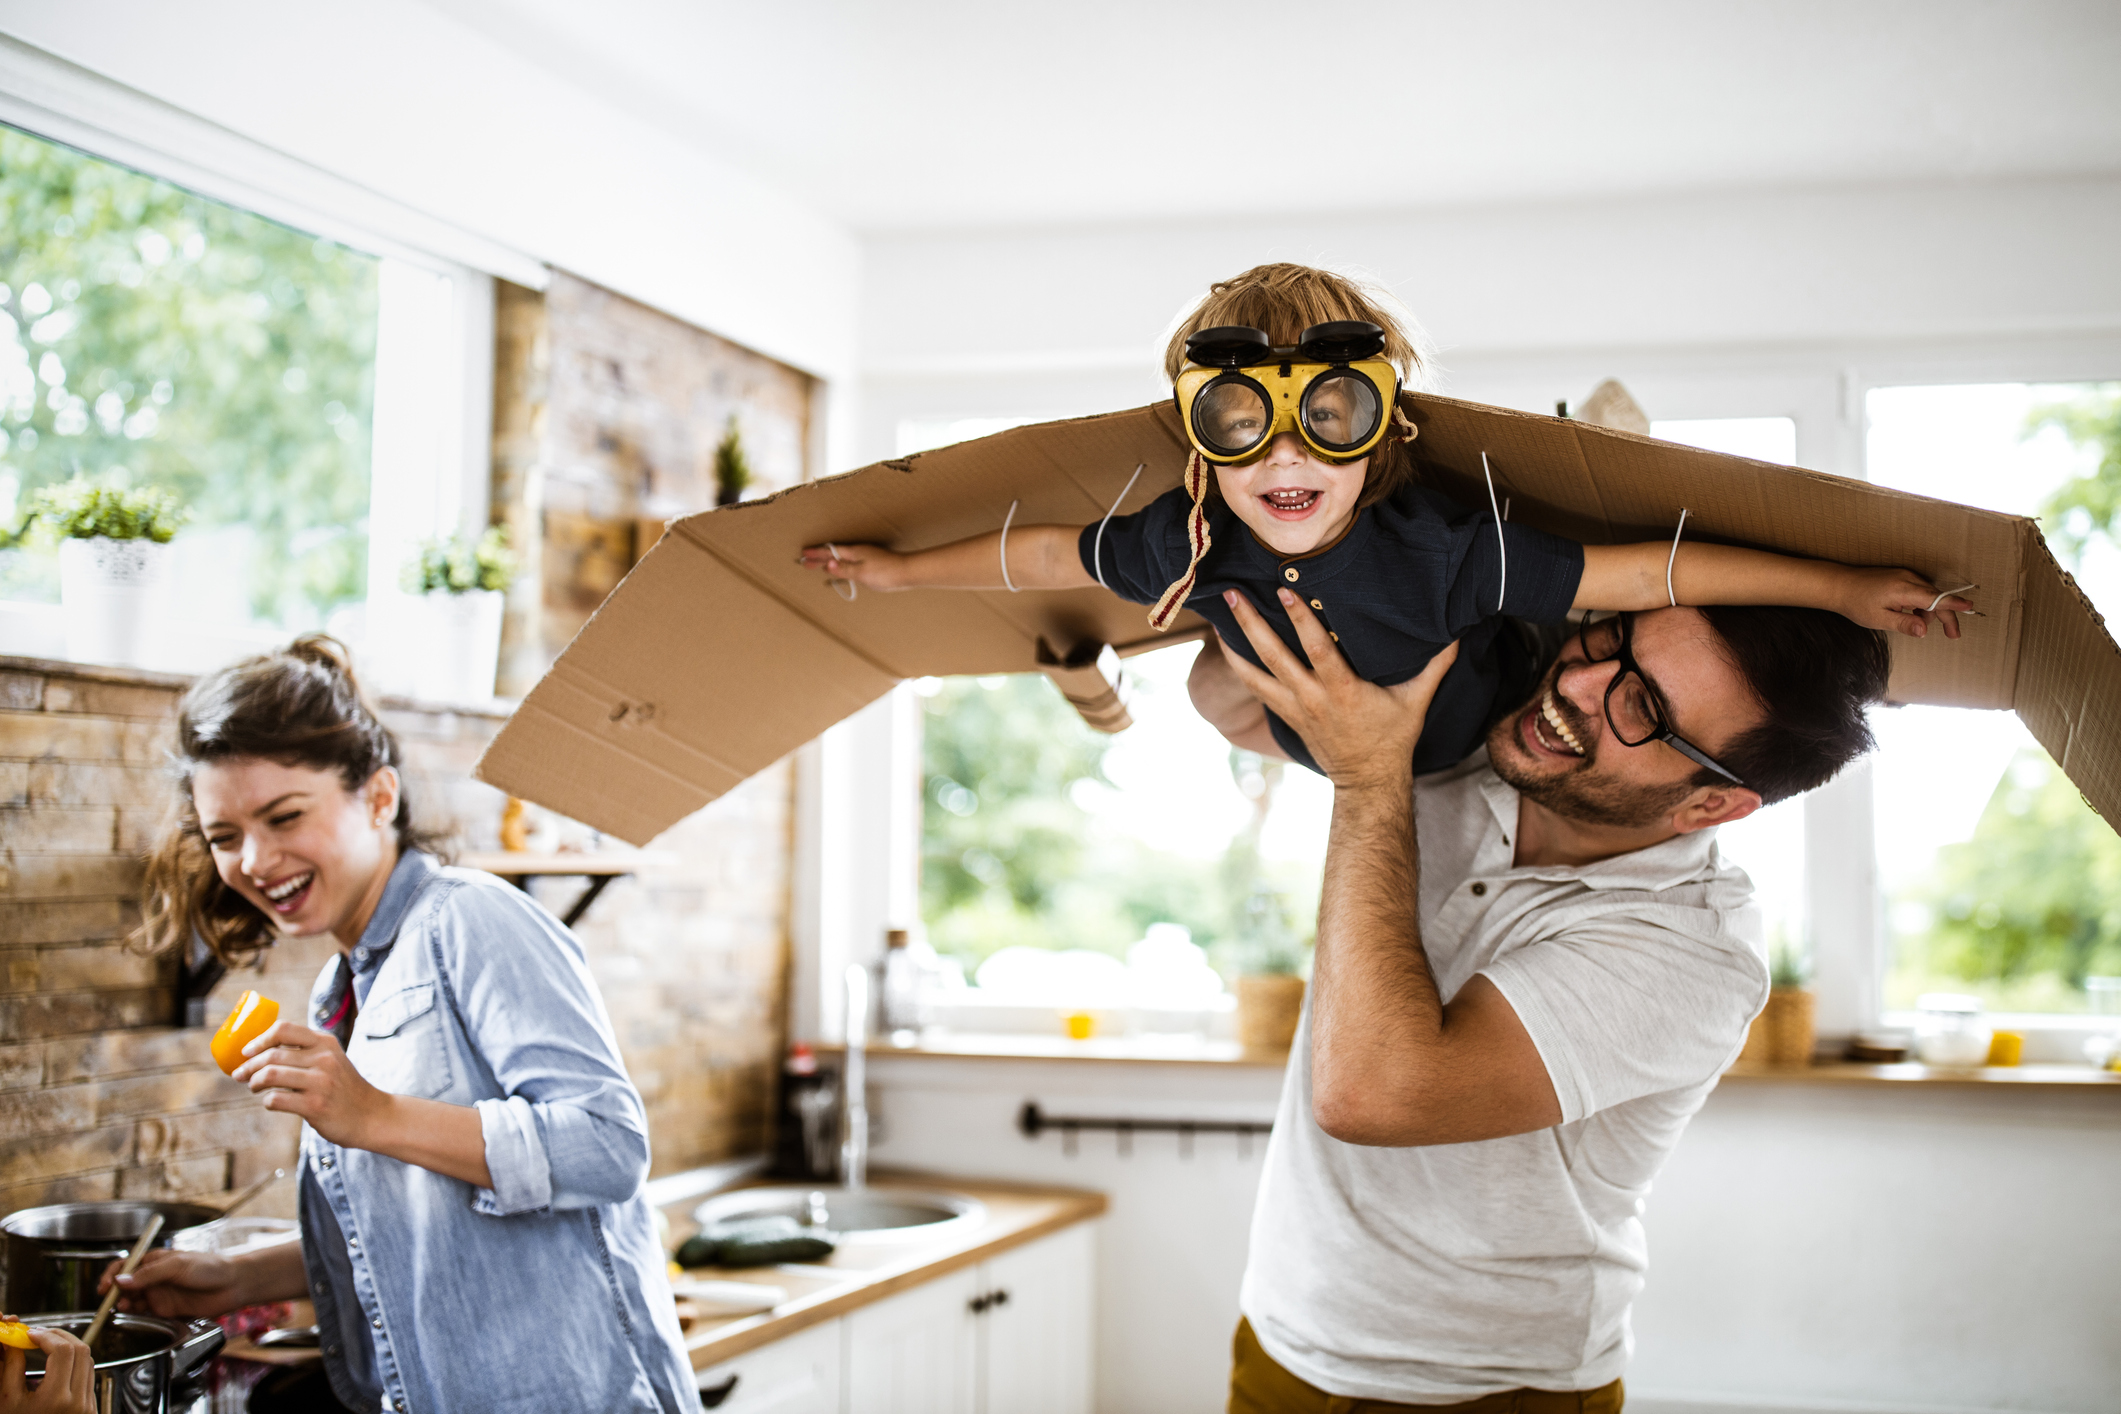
139	1359
54	1256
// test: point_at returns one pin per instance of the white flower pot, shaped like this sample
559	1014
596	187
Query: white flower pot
113	598
459	645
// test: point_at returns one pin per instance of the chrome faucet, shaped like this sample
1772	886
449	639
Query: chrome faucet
854	1083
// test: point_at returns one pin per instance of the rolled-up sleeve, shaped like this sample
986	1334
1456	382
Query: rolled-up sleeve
569	1130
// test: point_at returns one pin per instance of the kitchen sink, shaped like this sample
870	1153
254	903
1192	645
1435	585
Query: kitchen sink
851	1215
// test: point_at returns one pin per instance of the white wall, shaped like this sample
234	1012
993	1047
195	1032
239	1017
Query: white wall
400	98
1911	1249
1529	303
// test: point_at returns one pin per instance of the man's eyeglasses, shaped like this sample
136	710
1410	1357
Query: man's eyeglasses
1634	708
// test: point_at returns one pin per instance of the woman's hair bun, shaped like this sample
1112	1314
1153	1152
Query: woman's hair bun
327	653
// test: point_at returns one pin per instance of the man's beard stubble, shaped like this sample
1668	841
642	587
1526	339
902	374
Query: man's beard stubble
1578	794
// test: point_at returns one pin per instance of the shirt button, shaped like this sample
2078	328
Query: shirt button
353	1244
1316	605
1480	890
1332	635
1290	575
376	1321
324	1161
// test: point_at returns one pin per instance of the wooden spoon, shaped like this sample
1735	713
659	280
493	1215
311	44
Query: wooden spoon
132	1259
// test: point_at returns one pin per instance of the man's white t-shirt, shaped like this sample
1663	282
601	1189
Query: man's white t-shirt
1439	1274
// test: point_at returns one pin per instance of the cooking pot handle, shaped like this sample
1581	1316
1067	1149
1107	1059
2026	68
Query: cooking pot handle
202	1339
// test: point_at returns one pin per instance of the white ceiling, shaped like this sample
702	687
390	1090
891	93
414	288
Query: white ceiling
939	114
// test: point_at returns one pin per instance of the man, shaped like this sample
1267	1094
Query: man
1531	969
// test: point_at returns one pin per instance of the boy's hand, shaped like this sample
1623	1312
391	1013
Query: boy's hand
1899	600
69	1376
870	566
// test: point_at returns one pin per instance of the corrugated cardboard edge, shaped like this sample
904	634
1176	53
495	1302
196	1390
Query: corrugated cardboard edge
2069	681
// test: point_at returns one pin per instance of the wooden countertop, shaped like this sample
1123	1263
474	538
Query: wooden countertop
1129	1050
860	1273
1858	1073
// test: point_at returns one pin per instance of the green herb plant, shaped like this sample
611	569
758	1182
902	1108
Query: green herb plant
732	469
1789	966
460	564
82	510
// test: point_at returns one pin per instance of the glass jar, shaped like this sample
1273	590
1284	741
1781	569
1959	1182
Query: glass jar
1951	1030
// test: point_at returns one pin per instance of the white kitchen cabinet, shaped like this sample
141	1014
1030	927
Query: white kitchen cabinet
1010	1336
798	1375
1034	1335
916	1352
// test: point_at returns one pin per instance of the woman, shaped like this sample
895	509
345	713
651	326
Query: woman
474	1233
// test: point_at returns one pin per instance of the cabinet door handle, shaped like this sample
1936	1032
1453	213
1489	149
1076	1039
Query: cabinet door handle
714	1398
979	1305
1000	1298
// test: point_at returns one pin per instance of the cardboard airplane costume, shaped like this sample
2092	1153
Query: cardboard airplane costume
719	654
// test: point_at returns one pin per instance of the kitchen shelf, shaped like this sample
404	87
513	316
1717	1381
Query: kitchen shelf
1031	1046
519	867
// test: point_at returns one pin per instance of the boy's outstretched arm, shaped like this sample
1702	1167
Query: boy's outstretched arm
1632	577
1040	557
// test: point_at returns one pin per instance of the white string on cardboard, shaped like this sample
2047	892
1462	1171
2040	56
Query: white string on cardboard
1673	558
1502	545
1097	546
1005	549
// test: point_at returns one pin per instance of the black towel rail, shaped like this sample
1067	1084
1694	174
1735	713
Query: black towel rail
1032	1121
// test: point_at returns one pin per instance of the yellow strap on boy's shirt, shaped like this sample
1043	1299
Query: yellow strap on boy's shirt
1197	543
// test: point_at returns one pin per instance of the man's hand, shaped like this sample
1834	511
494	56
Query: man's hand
1898	601
305	1072
1359	733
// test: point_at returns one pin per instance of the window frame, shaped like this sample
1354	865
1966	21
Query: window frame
434	389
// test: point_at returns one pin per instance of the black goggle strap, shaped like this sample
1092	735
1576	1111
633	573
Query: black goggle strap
1197	542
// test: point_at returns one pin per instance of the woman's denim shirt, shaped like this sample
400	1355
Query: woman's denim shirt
546	1291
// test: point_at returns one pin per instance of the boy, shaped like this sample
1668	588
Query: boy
1301	477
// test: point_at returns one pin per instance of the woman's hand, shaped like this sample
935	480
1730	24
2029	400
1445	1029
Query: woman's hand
168	1283
870	566
1899	601
304	1072
69	1376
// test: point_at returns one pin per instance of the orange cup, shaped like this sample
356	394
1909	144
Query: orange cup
253	1014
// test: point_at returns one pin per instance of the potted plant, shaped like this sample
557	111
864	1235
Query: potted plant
460	583
113	564
1783	1033
1270	984
732	469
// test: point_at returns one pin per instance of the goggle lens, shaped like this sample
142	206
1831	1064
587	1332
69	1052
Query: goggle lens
1341	409
1231	415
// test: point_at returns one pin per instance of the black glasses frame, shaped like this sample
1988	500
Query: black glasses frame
1661	729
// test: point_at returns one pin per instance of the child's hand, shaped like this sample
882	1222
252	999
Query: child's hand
870	566
69	1376
1900	600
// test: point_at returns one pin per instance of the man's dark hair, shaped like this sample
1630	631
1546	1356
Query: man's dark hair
1814	673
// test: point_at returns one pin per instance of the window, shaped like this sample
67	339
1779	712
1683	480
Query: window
153	337
1040	832
1998	879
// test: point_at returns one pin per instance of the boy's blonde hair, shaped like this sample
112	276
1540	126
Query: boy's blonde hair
1283	300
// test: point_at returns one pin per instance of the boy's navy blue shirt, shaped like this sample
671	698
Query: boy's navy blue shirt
1412	573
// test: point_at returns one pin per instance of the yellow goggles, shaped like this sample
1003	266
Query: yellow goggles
1240	391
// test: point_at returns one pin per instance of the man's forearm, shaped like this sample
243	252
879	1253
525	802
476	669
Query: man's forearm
1375	1012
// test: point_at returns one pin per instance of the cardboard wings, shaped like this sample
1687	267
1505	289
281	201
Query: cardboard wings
718	654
